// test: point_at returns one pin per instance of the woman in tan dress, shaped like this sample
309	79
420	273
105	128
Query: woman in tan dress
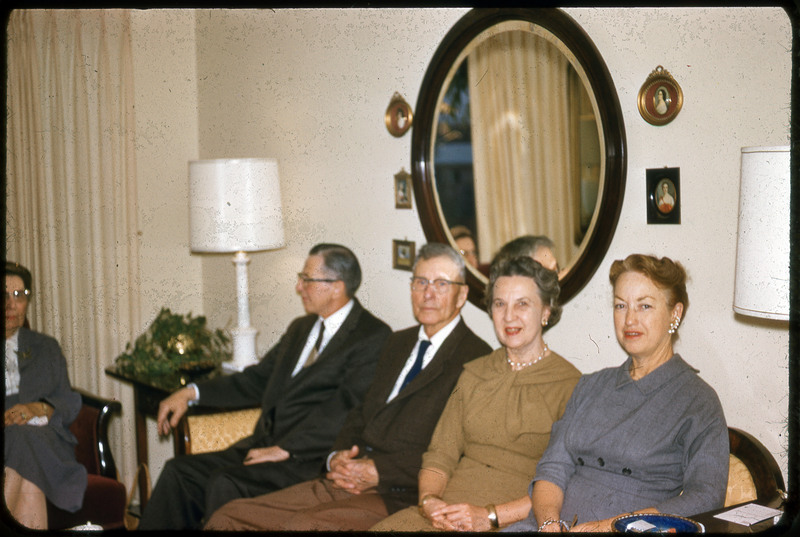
496	424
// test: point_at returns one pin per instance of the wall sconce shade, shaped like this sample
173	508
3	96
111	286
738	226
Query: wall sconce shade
235	205
762	253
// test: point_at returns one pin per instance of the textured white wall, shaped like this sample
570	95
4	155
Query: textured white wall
166	139
310	87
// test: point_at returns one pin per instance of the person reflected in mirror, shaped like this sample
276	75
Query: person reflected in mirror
465	244
39	453
319	370
648	436
496	425
372	471
538	247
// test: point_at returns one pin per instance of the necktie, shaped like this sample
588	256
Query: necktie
417	367
314	354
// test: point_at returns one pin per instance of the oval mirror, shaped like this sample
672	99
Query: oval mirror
518	131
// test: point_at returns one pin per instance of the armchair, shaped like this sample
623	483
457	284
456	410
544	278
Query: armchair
214	431
104	501
754	474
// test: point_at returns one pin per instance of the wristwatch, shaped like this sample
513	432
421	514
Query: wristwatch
493	516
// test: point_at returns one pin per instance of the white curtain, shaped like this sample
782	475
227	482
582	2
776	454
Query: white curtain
71	190
523	158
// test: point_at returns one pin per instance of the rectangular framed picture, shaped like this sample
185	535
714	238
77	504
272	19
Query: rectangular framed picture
402	190
403	255
663	195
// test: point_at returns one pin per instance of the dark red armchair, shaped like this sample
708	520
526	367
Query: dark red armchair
105	498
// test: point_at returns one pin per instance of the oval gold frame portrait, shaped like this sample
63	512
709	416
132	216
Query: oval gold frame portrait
660	97
398	117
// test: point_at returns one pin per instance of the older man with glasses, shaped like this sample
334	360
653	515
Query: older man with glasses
306	384
372	471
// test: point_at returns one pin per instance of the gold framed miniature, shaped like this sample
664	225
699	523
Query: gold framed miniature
660	97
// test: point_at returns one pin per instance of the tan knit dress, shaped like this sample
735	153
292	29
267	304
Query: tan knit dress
492	432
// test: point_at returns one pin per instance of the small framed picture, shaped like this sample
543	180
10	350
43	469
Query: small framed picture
403	254
663	196
402	190
660	97
398	116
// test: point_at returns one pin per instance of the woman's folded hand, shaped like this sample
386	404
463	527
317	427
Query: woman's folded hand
462	517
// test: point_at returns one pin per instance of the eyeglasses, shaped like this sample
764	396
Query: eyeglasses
440	286
303	277
18	294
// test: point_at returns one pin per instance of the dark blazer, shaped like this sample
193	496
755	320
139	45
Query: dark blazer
303	414
397	433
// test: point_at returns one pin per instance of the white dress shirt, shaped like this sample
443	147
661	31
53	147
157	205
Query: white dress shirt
12	364
332	325
436	342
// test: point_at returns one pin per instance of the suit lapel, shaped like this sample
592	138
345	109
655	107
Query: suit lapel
396	362
342	335
436	366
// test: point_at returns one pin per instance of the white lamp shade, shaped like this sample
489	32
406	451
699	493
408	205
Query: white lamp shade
235	205
762	254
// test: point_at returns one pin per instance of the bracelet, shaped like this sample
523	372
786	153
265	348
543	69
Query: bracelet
493	516
549	521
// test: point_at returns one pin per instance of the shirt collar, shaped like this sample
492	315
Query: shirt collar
651	382
335	320
13	341
439	337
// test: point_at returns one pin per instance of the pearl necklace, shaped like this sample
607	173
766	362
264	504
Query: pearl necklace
520	365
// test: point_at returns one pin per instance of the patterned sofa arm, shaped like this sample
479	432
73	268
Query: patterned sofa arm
202	433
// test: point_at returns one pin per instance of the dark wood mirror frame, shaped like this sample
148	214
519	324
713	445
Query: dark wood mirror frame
602	85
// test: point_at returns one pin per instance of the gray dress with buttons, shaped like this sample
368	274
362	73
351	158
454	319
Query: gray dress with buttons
623	445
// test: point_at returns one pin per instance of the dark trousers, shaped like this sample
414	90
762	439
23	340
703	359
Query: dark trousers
192	487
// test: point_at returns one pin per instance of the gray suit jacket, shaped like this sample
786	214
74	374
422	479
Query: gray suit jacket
397	433
43	377
302	414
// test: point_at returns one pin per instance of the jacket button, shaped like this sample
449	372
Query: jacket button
580	461
600	461
626	471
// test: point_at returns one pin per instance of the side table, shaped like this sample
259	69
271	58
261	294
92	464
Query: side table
147	394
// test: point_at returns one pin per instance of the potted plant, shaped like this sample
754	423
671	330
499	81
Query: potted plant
175	343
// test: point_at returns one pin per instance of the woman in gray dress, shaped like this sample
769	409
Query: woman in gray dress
646	437
39	461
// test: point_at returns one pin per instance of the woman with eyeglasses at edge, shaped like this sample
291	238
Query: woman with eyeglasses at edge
648	436
39	461
497	422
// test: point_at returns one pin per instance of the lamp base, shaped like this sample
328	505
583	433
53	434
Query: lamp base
244	349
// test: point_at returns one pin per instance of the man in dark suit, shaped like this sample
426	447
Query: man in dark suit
373	470
306	384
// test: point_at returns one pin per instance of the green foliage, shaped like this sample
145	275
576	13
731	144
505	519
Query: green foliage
173	342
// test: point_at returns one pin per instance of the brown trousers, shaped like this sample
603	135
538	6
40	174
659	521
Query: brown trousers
309	506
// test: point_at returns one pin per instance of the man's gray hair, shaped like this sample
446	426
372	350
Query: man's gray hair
438	249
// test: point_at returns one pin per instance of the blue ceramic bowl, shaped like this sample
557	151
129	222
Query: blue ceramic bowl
662	524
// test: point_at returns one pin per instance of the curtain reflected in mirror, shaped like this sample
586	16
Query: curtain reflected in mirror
517	148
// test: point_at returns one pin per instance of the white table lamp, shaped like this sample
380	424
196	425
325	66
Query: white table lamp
762	253
235	206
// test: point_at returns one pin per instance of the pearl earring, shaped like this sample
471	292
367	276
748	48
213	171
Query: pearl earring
673	326
544	322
